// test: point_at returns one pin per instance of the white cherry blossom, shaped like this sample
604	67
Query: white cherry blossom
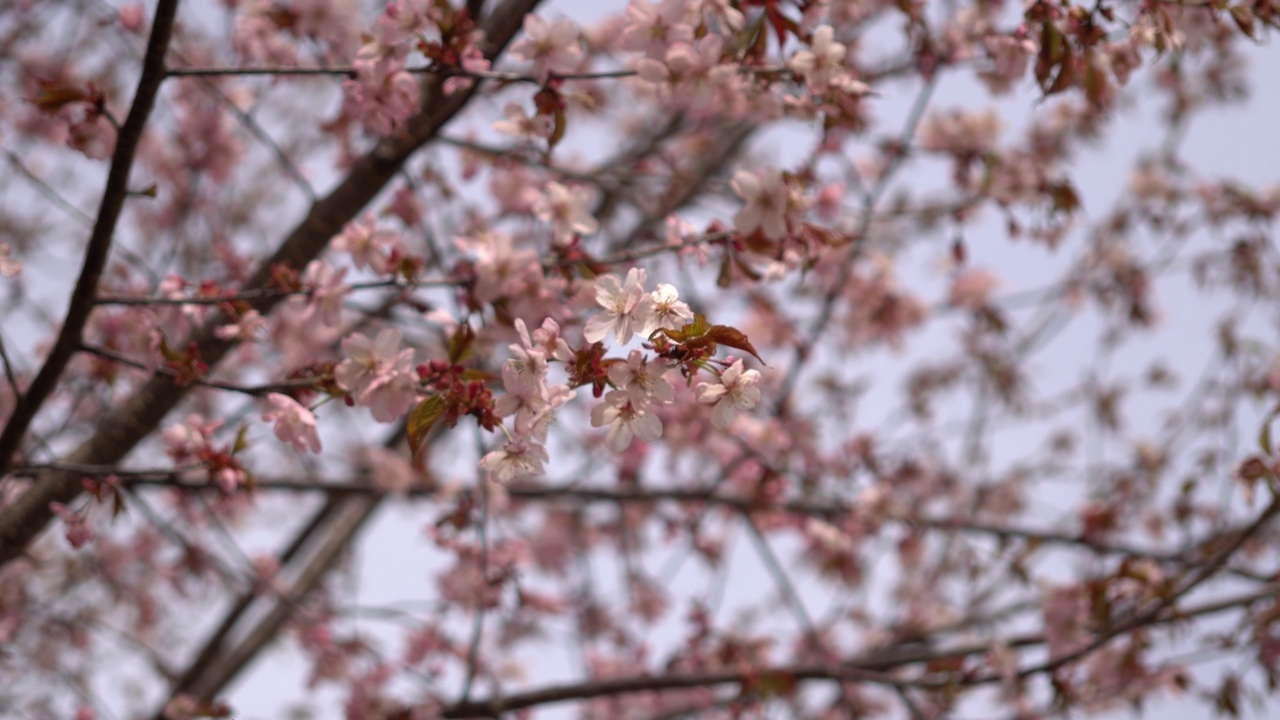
642	380
552	47
566	209
294	423
625	420
669	313
765	200
627	307
518	457
735	391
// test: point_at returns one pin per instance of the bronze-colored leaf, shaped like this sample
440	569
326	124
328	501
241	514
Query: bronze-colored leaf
734	338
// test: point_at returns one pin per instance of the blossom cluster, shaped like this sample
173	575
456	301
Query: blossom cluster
384	94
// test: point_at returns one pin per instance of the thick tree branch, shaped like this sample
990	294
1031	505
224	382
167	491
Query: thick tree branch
99	246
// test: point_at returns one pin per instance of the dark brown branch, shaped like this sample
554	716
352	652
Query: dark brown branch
823	510
439	71
496	707
96	252
252	390
872	667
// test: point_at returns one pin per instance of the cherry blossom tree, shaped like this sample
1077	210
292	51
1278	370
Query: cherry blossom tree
711	358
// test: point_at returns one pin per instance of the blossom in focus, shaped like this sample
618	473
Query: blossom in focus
735	391
642	380
669	313
294	423
625	420
553	345
627	307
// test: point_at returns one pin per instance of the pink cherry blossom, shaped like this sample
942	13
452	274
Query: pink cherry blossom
652	29
524	376
517	458
627	307
523	126
367	245
185	441
539	424
720	12
822	62
501	269
765	197
552	47
1011	57
248	328
625	420
735	391
566	210
642	380
383	95
294	423
78	532
327	293
972	289
9	266
378	374
553	345
694	77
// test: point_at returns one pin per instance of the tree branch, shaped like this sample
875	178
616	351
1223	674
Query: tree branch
99	245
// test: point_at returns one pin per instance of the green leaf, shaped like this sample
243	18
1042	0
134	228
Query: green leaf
242	439
725	277
423	417
734	338
1264	435
695	329
557	132
460	345
169	353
